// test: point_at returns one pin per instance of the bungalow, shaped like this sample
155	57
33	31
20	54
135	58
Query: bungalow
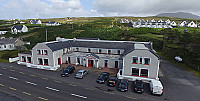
136	59
183	24
191	24
10	43
168	21
52	23
35	22
3	32
19	28
173	23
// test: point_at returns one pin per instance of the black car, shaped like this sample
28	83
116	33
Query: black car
138	86
103	77
112	81
67	71
123	85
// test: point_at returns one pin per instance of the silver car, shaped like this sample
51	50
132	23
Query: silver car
81	74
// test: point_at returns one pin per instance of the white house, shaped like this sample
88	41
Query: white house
191	24
183	24
3	32
168	21
19	28
35	22
52	23
136	59
160	20
10	43
173	23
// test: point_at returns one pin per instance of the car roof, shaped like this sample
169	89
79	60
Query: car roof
104	73
113	77
124	80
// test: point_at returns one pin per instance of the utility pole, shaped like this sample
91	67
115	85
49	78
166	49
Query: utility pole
46	35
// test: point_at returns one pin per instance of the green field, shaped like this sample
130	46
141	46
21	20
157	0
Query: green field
168	42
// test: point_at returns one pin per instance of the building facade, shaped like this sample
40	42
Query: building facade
125	55
18	28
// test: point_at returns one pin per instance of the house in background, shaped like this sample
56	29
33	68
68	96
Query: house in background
136	59
173	23
3	32
191	24
35	22
11	44
18	28
183	24
52	23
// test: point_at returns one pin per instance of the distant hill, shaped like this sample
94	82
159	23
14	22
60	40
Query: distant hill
179	15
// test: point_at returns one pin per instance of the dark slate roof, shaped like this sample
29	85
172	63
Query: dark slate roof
59	45
34	21
8	40
51	22
18	27
94	55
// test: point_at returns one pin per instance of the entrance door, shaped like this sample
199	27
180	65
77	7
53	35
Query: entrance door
116	64
90	63
69	61
59	61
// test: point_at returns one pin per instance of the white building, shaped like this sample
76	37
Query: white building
3	32
183	24
19	28
173	23
10	43
191	24
35	22
52	23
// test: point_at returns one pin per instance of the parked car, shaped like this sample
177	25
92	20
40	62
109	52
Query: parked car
102	77
112	81
156	87
81	74
123	85
67	71
138	86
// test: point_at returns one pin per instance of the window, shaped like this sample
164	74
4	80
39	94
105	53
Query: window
23	59
10	46
45	52
63	51
78	61
4	46
141	60
89	50
146	61
109	51
135	60
144	73
46	62
135	72
77	49
116	64
118	52
29	59
40	62
38	52
106	63
100	50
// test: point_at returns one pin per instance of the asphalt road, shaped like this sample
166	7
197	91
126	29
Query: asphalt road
179	85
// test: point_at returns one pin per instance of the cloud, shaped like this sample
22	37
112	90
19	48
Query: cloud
42	9
145	7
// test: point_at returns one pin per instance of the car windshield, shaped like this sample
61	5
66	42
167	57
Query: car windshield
122	84
79	73
139	85
102	76
112	79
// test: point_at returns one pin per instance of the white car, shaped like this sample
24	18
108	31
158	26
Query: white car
81	74
156	87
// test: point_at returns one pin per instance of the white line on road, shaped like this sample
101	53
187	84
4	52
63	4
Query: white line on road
13	78
79	96
31	83
52	89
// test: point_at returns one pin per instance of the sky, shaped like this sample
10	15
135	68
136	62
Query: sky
26	9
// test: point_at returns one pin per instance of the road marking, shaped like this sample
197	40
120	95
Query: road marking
11	66
109	93
58	81
12	70
12	88
32	75
13	78
21	72
0	74
1	85
130	97
89	88
26	93
31	83
72	85
79	96
42	98
52	89
44	78
3	68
